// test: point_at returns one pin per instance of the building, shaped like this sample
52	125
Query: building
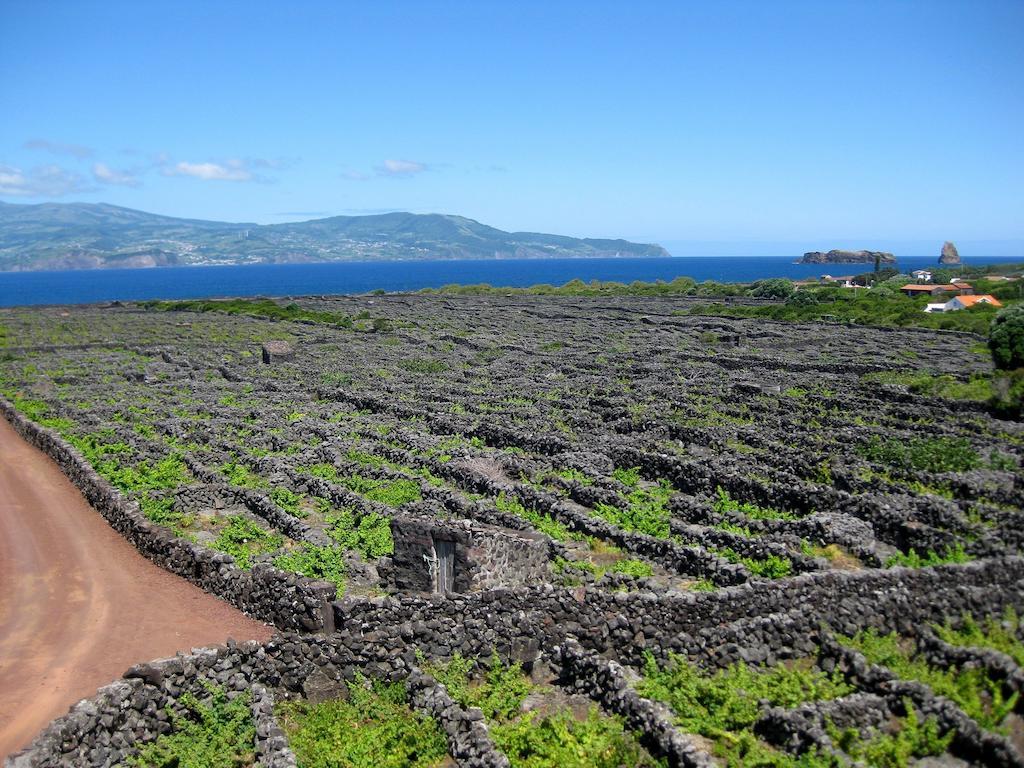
963	302
966	302
922	275
920	289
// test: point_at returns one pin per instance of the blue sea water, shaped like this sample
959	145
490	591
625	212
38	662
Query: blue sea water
87	286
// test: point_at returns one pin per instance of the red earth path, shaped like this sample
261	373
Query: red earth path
78	604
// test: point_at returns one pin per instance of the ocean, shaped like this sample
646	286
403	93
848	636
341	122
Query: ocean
99	285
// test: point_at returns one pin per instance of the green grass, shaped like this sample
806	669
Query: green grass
315	562
242	476
977	389
539	520
646	510
371	536
1001	635
771	567
723	706
253	307
393	493
724	504
538	739
927	454
979	696
243	540
913	559
374	727
219	733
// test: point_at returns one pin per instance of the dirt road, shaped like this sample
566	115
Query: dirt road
78	604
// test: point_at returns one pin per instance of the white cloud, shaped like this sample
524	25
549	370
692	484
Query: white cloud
57	148
107	175
401	168
230	170
355	176
41	181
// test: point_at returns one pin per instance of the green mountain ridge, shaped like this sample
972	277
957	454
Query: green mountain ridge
99	235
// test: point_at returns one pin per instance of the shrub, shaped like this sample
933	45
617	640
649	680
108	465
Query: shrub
978	695
315	562
1006	338
724	503
930	454
912	559
724	706
218	734
638	569
243	539
772	288
375	726
371	537
535	739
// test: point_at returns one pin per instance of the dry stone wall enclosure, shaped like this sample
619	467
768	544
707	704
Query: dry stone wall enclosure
615	502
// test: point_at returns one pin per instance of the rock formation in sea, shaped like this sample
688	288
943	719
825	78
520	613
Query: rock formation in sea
847	257
949	254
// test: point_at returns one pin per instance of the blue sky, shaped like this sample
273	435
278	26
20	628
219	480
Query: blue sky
717	127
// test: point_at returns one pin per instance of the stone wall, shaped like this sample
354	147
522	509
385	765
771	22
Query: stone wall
108	728
264	592
587	630
757	621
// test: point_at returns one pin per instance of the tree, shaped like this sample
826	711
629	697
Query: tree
1006	338
772	288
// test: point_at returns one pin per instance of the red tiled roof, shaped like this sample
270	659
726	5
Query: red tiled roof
985	298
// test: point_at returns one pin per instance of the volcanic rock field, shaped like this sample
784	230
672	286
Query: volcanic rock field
654	539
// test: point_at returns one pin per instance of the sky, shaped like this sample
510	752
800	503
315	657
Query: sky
724	127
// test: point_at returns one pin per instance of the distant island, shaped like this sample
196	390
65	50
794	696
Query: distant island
95	236
847	257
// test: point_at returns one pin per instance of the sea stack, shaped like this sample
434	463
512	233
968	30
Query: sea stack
949	254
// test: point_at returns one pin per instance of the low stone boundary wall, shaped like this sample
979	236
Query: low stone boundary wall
970	741
108	728
264	592
606	682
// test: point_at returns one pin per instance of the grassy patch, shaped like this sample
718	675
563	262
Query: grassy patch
980	697
243	540
253	307
913	559
374	727
217	734
539	739
725	705
315	562
771	567
539	520
928	454
646	510
393	493
977	389
1001	635
370	536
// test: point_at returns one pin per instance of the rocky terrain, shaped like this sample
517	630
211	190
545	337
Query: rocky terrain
564	504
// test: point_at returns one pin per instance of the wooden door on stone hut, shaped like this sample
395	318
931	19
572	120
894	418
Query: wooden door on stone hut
444	552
